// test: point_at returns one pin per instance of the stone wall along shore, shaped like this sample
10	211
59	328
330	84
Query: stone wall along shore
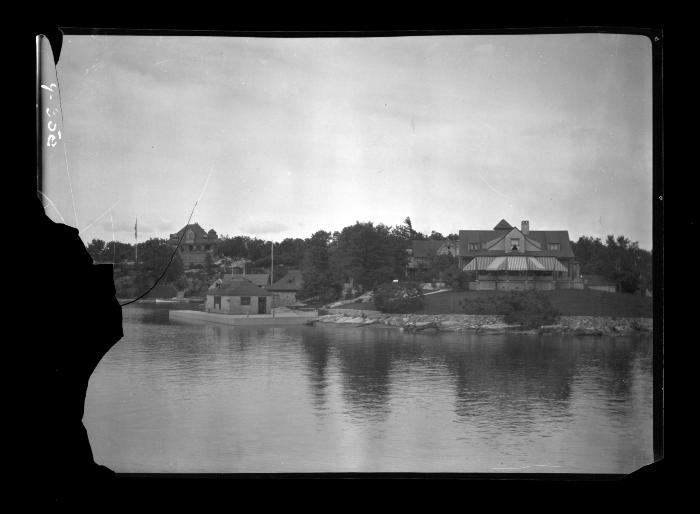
581	325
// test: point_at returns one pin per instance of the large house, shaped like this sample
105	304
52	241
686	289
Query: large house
196	245
511	258
234	294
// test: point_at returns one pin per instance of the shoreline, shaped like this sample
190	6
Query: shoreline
487	323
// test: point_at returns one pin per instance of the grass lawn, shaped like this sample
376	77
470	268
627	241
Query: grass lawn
569	302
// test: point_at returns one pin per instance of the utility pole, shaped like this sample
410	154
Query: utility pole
272	264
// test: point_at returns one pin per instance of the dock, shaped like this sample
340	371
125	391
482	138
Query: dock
278	319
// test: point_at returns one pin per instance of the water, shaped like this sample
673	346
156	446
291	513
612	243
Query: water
180	397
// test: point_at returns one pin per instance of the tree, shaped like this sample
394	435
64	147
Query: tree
154	256
369	255
316	274
96	249
619	260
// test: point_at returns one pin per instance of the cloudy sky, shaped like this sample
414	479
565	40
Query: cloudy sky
283	137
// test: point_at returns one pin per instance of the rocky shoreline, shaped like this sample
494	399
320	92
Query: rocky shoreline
479	323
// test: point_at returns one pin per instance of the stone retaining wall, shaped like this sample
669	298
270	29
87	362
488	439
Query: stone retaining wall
583	325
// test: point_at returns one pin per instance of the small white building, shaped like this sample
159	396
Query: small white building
236	295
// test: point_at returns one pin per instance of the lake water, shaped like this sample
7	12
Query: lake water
182	397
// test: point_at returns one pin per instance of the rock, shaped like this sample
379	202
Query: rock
552	328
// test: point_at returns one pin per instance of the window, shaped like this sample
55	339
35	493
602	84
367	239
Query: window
514	244
245	300
217	302
189	237
473	246
555	247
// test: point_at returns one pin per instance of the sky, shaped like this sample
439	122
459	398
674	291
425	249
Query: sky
282	137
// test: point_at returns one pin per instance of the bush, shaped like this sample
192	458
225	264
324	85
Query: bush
456	279
530	309
398	298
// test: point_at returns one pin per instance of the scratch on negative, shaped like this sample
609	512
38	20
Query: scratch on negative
108	211
92	68
53	205
532	466
493	188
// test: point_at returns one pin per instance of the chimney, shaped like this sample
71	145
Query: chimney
525	227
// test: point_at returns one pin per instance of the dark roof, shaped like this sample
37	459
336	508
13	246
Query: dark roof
237	287
259	279
292	281
543	237
199	235
503	225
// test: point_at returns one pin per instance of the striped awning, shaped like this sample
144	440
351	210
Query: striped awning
551	264
514	263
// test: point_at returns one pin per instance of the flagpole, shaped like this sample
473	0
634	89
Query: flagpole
136	238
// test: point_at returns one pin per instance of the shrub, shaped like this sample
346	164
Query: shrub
456	279
531	309
398	298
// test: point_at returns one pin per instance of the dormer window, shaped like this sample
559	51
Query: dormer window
514	244
554	247
473	247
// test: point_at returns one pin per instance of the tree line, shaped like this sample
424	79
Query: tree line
364	255
618	259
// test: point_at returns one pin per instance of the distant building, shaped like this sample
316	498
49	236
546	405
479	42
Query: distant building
235	295
508	258
285	289
599	283
196	245
421	252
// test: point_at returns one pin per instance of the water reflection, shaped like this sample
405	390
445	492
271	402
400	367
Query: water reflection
317	352
205	397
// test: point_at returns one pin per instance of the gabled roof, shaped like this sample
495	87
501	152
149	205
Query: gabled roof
542	237
199	234
503	225
292	281
237	287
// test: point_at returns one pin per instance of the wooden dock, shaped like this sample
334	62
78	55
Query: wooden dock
281	319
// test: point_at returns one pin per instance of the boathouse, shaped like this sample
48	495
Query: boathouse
510	258
236	295
285	289
196	245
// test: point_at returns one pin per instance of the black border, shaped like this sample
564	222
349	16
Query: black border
159	483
